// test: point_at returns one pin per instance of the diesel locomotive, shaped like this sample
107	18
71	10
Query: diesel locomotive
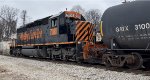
56	37
123	40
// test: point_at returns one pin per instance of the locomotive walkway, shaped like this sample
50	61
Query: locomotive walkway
12	68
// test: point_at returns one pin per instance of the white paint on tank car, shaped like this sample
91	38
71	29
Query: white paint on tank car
122	29
142	26
137	27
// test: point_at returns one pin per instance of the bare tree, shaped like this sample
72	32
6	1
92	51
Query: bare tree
79	9
8	21
93	16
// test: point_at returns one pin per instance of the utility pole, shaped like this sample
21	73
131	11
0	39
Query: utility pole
24	16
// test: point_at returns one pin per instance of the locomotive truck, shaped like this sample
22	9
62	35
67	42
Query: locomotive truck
124	38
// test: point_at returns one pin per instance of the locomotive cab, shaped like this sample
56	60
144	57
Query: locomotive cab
63	25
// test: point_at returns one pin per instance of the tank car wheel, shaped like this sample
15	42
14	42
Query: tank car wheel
136	61
106	62
146	65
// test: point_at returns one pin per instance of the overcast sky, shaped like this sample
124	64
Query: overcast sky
37	9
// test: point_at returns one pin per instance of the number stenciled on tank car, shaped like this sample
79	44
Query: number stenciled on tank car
142	26
137	27
122	29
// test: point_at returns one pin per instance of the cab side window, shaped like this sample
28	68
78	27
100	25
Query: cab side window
54	22
54	26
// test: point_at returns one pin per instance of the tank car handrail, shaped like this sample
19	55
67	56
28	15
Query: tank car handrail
130	49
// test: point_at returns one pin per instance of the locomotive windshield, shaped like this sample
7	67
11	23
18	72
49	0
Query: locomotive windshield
69	20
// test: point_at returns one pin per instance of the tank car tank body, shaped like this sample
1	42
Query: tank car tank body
128	24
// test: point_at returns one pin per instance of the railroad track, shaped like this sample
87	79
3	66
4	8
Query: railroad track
144	71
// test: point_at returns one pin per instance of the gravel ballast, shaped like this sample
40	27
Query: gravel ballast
13	68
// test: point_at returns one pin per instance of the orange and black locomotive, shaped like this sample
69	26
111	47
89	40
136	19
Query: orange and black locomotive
56	37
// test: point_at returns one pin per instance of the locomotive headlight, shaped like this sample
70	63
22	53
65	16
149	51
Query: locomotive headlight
79	42
57	45
114	44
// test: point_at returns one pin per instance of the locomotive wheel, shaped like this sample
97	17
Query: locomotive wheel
16	52
49	53
43	52
65	58
137	61
39	53
10	52
13	52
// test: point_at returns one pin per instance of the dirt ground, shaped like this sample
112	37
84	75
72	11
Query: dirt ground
12	68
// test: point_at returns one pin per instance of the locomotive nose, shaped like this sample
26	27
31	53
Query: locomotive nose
84	31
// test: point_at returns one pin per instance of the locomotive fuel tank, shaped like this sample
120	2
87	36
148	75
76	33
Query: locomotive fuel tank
128	25
31	51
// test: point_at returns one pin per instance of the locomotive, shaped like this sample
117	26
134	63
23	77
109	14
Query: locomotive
56	37
123	39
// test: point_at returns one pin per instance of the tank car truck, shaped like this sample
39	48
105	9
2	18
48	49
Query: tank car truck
59	36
